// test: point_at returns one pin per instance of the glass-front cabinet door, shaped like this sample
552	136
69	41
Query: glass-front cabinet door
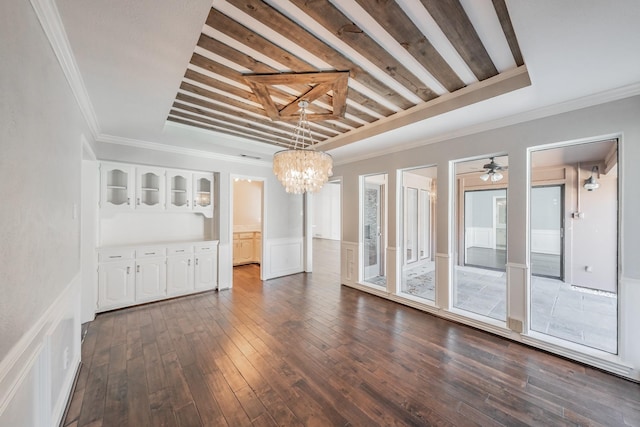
150	188
179	190
203	192
116	188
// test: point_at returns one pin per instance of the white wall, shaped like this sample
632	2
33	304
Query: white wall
618	118
41	132
326	212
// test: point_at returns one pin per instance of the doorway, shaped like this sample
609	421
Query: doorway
247	222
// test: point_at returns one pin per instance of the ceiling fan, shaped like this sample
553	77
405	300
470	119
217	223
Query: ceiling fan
492	171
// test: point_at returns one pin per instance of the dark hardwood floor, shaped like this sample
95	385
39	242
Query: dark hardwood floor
302	350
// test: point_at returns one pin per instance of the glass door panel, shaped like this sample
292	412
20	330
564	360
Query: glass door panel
574	244
418	265
479	282
374	229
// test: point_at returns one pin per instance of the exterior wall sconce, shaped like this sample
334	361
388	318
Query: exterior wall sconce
592	183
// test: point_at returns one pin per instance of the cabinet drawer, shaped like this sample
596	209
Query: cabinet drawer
150	251
205	248
179	250
245	235
108	255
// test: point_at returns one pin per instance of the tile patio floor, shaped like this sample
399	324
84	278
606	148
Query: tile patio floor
557	308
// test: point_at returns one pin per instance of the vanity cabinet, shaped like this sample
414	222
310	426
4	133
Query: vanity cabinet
135	275
247	247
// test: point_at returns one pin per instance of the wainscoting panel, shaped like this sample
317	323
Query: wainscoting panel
479	237
37	375
283	257
349	263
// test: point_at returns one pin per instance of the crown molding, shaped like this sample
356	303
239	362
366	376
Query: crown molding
147	145
53	27
538	113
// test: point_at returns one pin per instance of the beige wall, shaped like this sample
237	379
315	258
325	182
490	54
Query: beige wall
247	205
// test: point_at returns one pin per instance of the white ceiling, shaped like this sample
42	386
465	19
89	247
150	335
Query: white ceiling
132	56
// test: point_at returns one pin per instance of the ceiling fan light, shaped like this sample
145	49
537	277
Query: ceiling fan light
484	176
496	176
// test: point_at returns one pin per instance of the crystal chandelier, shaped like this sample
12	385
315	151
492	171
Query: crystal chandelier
302	169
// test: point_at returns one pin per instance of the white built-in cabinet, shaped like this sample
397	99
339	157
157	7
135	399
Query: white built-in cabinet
125	187
117	190
202	192
179	190
180	269
135	275
206	267
116	279
150	191
151	274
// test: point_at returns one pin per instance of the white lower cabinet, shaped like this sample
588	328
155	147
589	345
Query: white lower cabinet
116	284
151	279
206	267
128	276
180	275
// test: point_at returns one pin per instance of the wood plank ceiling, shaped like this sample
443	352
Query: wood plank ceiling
356	61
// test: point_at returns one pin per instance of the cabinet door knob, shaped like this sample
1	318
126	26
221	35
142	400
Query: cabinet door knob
189	262
196	261
137	268
128	269
128	200
187	203
138	200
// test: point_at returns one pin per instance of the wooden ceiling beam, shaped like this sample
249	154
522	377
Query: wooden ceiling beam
221	98
270	17
455	24
246	61
393	19
241	129
507	28
257	67
237	31
262	119
340	26
249	124
225	87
